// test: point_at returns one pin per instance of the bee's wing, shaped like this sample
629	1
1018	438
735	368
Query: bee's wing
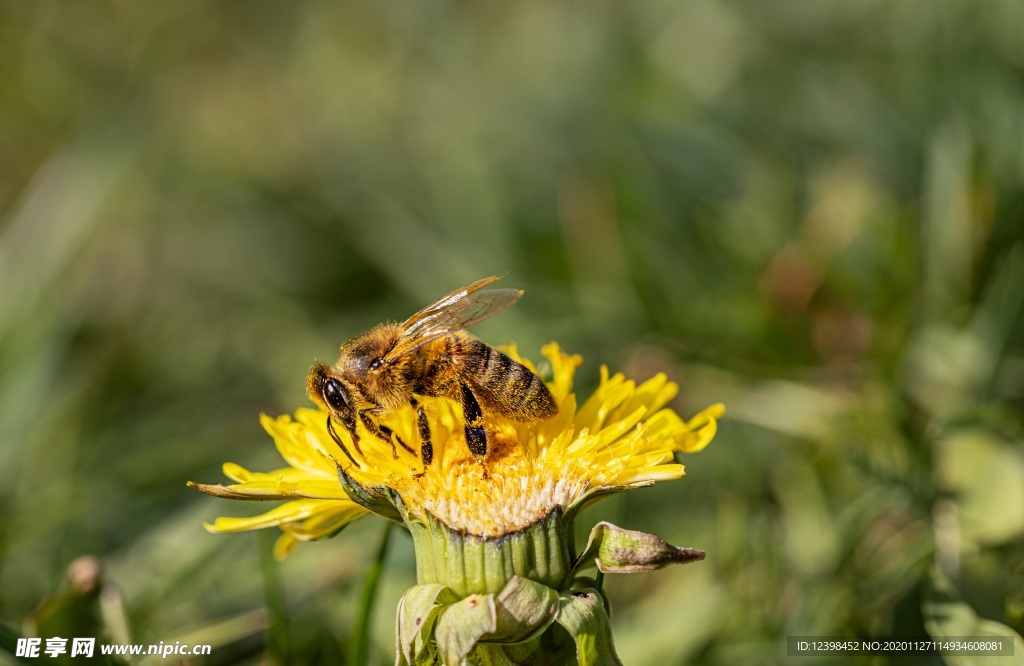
453	312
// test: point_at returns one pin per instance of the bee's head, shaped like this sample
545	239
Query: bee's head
327	390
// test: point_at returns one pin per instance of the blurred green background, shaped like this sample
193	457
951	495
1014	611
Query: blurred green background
813	212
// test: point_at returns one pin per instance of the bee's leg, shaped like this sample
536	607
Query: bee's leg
426	447
476	438
337	440
382	432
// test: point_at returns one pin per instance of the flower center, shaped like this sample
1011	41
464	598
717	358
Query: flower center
505	492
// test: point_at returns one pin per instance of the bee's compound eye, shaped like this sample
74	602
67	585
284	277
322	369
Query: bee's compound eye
334	395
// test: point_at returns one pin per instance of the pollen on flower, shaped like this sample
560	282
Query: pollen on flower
505	493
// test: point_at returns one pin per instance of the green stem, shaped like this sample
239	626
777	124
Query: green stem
359	646
599	586
278	638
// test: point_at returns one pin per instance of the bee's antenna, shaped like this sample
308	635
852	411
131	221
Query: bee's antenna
337	440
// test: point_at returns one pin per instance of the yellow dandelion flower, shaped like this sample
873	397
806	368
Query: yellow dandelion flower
491	526
621	437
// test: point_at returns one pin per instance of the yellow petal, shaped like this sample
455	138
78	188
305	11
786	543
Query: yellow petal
611	393
697	440
713	412
563	367
324	523
295	443
289	512
653	394
285	546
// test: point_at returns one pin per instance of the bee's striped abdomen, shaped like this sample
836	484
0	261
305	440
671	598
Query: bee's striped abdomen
505	386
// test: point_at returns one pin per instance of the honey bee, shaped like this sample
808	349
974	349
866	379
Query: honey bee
430	355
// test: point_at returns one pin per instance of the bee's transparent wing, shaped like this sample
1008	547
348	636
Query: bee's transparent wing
453	312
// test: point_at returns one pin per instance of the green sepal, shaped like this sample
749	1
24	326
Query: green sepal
582	614
400	659
376	499
616	550
525	609
518	653
491	655
462	624
574	510
417	611
470	564
431	614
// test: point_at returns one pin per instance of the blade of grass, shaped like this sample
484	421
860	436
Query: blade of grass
9	643
359	646
278	637
224	631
